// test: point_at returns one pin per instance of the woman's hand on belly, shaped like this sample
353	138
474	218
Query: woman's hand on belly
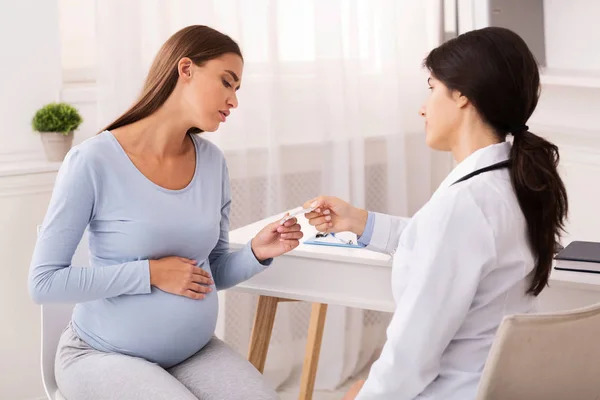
181	276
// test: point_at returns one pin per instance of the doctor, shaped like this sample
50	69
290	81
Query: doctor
482	247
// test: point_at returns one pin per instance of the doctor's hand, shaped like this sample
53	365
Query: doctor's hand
335	215
276	239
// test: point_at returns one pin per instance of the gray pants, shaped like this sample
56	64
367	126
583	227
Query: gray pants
215	372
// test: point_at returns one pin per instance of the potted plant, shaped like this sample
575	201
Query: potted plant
56	123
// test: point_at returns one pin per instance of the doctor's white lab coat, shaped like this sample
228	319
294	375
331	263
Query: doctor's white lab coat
461	263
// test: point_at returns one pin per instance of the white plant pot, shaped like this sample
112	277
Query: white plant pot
56	145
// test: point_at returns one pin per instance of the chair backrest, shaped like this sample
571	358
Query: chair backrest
545	356
55	318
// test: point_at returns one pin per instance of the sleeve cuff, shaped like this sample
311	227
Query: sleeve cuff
381	232
250	255
365	238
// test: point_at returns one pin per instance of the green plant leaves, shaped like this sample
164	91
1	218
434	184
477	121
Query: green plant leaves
56	117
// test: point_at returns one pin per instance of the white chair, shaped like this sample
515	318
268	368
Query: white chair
545	357
55	318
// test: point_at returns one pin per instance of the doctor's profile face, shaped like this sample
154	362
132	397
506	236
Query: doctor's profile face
442	113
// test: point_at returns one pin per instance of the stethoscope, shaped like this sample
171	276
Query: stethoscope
493	167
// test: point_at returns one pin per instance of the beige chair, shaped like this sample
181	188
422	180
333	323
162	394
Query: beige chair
545	357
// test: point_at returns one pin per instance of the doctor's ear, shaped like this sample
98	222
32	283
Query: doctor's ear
460	99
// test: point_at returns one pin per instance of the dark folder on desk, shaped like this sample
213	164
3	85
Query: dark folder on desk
579	256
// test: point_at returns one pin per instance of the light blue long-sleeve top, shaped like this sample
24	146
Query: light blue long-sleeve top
131	220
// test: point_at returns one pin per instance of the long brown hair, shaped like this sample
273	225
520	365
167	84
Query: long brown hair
496	71
197	42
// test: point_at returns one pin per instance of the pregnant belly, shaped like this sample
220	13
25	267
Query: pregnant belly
160	327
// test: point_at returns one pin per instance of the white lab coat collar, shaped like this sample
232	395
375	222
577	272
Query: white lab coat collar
481	158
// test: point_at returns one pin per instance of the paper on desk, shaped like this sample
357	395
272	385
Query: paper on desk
341	239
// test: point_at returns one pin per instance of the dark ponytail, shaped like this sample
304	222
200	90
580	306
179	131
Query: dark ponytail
496	71
542	197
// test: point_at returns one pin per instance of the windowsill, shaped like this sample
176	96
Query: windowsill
28	168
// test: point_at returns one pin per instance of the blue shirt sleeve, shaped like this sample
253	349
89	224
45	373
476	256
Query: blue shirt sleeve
52	278
365	238
232	267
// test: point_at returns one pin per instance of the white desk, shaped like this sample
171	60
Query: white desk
350	277
321	275
331	275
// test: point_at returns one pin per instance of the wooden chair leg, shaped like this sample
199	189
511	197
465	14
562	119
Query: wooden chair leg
313	348
261	331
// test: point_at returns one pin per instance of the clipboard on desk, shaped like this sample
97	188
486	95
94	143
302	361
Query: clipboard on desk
341	239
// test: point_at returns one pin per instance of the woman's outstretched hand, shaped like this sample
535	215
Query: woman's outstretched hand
276	239
335	215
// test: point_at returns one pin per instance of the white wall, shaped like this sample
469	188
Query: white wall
22	201
572	34
29	78
569	115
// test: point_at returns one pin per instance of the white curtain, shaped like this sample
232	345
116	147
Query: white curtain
328	105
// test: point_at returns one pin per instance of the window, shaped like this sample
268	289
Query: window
338	29
301	33
301	56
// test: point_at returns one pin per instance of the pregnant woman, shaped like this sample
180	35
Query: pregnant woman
155	198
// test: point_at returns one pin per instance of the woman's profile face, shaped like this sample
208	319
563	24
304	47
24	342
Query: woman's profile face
209	92
442	113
